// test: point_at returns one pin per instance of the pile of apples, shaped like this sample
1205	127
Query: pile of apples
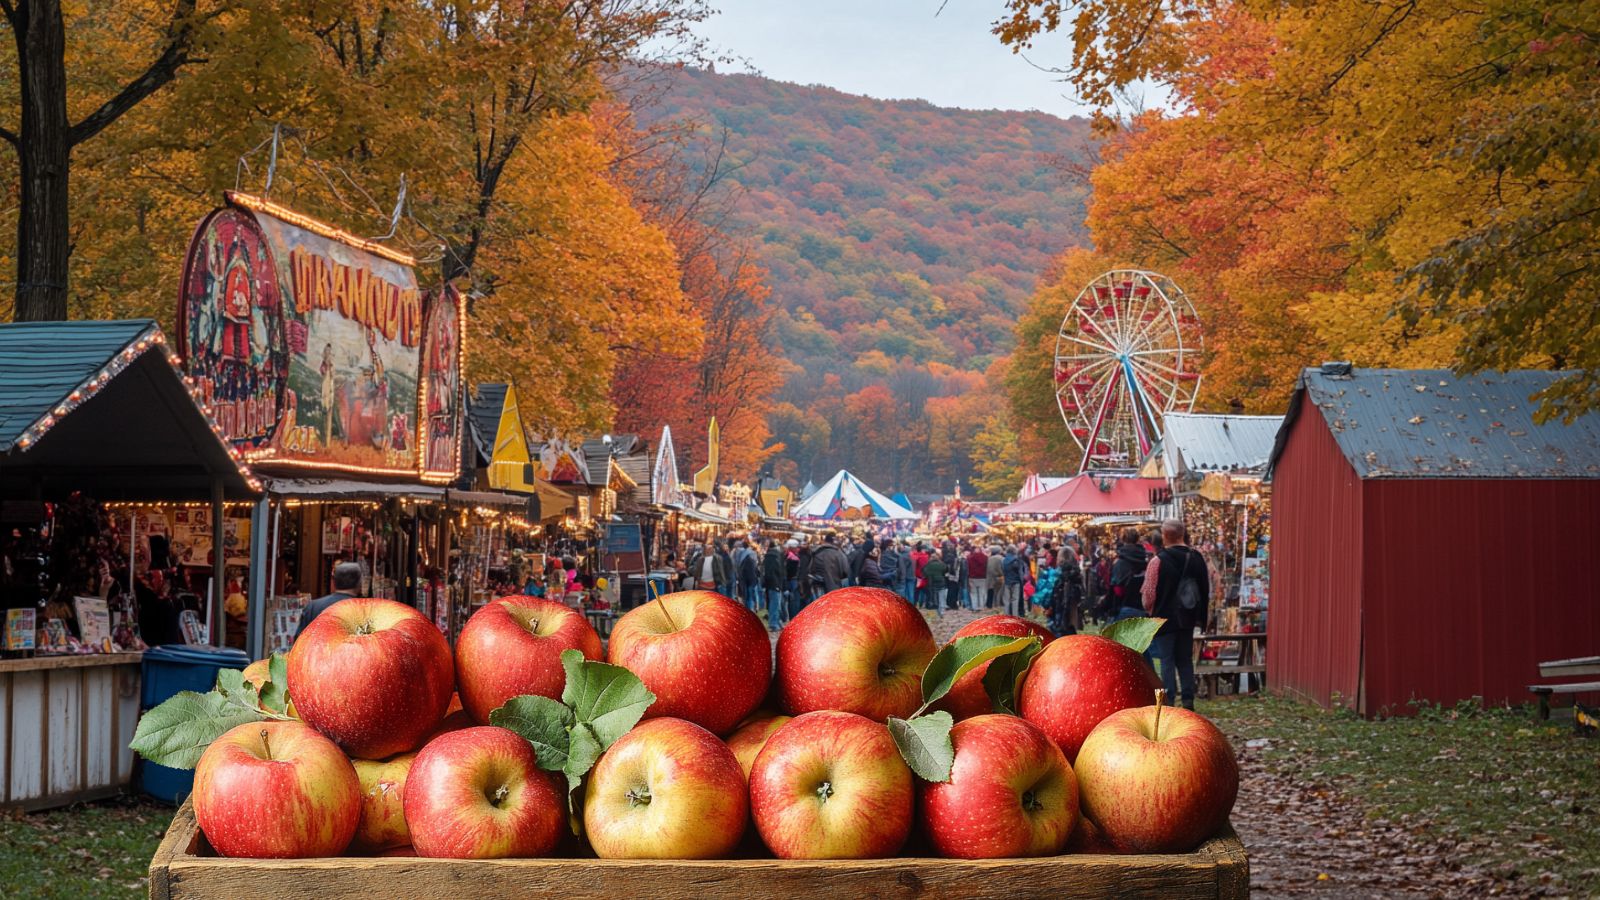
382	760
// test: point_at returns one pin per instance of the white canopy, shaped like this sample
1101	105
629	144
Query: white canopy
844	496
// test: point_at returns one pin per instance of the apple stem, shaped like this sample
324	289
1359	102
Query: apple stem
1161	697
662	603
264	744
825	790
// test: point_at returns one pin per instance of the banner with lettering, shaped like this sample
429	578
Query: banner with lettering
307	343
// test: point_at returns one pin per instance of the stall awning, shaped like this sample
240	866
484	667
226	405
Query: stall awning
348	489
1087	495
101	407
697	515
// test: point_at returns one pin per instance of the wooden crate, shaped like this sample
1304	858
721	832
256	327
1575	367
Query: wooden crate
65	728
184	867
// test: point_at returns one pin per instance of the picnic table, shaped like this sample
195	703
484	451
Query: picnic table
1565	668
1249	659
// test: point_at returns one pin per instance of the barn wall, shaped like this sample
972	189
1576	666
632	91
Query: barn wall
1471	583
1314	646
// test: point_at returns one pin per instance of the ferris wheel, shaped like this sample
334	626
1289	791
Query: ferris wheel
1127	354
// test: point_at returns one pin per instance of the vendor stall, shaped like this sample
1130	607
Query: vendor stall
336	376
94	417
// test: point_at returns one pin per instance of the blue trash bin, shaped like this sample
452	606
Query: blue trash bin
169	670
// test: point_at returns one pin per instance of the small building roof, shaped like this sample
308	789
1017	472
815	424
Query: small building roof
99	406
1204	442
1432	423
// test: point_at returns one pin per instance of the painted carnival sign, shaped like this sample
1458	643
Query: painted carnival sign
308	343
442	395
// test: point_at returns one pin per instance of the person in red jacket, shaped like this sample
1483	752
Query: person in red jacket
919	561
977	578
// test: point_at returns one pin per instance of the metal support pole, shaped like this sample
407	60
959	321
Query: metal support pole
260	564
219	571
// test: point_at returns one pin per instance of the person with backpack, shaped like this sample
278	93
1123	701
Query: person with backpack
1176	588
1125	600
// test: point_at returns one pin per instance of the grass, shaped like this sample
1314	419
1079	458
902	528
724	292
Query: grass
1506	792
87	851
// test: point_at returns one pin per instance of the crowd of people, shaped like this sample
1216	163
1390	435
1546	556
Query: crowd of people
1054	579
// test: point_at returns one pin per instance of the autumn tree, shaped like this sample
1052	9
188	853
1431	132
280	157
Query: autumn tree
55	115
1434	166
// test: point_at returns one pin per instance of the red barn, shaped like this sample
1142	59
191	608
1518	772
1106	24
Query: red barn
1430	541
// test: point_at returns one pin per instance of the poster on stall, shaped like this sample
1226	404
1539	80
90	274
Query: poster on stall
440	386
1253	584
94	620
53	637
330	536
622	549
19	629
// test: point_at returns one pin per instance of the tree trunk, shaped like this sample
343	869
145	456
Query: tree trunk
43	151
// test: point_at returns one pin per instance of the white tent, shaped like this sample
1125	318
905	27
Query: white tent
844	496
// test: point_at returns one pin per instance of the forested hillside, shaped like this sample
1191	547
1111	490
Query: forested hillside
901	241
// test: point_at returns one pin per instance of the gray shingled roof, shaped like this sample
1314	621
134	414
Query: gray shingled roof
1430	423
42	362
139	437
1217	443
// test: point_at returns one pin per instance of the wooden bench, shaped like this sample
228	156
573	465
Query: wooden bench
1545	691
1250	659
602	620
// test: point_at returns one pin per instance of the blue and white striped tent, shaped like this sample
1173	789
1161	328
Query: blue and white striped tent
844	496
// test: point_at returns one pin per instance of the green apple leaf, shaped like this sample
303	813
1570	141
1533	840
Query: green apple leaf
924	744
177	732
584	751
1135	634
274	692
609	699
543	722
961	656
1003	680
231	681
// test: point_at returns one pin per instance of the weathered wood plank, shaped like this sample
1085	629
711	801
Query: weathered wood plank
27	736
74	661
64	721
1216	870
99	727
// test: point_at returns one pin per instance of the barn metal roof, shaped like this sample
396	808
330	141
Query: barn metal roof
1217	443
1431	423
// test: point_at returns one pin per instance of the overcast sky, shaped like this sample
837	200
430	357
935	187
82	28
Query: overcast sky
891	49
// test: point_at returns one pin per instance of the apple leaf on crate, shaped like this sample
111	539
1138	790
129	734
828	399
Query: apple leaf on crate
178	731
543	722
609	699
1135	634
924	743
1004	678
961	656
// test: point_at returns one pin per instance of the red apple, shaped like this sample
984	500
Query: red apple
832	785
513	647
1010	793
373	675
1157	780
751	737
967	698
1086	838
668	789
706	658
478	793
859	650
1079	680
383	803
276	790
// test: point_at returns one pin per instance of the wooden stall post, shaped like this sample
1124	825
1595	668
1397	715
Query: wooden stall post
260	564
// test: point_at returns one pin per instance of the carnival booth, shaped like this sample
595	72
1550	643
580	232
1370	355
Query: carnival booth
1073	503
844	497
338	378
1214	465
96	425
